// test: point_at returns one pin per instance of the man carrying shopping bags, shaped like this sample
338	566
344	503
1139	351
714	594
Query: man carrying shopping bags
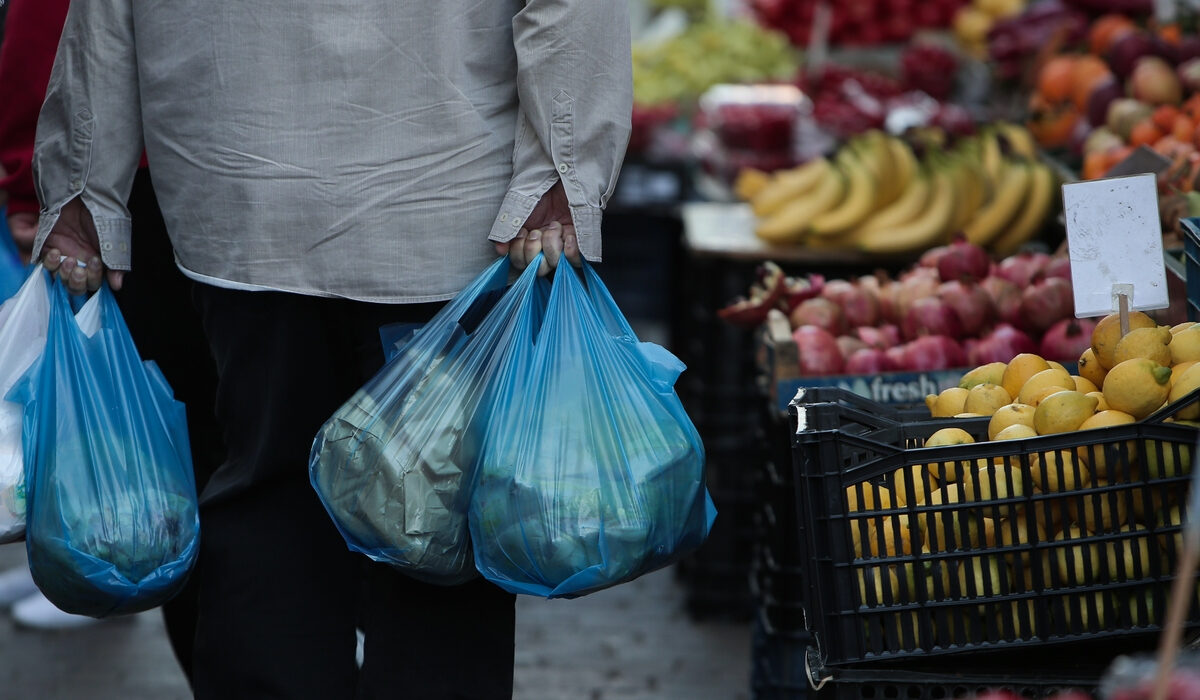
323	171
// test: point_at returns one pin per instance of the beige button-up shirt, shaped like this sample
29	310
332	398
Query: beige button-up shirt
366	149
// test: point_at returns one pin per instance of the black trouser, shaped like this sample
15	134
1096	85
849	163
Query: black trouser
280	593
156	301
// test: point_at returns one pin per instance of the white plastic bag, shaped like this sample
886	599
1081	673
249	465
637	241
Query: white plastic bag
23	323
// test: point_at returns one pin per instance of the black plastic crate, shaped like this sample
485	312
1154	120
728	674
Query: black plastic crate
922	580
1191	265
778	670
953	684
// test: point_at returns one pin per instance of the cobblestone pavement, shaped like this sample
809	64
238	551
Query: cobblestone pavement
633	642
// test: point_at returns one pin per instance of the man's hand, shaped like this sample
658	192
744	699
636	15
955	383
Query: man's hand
548	229
23	226
73	240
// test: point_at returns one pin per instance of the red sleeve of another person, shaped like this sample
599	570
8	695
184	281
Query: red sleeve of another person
31	32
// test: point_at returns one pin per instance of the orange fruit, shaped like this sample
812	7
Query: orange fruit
1144	133
1056	79
1088	71
1106	30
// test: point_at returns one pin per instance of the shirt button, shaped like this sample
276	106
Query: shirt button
504	217
107	245
562	167
516	224
74	184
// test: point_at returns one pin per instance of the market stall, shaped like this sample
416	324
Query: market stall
877	219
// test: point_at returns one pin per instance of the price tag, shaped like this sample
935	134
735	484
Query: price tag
1115	241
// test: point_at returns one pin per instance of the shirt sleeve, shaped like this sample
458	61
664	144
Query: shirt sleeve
575	87
89	134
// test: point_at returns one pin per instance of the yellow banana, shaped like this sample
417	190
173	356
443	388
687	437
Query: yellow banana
1011	189
789	184
883	166
990	156
911	203
791	222
1043	193
969	180
906	164
1020	141
856	205
750	182
928	229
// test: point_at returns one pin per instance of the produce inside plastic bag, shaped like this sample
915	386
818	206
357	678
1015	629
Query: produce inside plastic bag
591	472
113	524
23	321
394	463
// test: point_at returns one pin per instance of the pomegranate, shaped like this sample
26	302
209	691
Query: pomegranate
1067	339
1006	298
1059	266
930	316
847	344
868	361
879	337
1045	302
798	289
1020	269
818	351
1001	345
932	352
963	260
931	257
917	283
970	302
821	312
858	306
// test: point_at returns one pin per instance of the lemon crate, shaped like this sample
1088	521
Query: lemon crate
1030	553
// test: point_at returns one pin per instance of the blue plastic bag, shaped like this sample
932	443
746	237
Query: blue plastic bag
393	464
112	519
591	472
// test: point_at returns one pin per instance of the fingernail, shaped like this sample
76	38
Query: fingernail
94	262
555	225
535	234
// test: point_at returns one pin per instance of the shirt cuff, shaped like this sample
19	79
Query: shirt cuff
517	207
115	235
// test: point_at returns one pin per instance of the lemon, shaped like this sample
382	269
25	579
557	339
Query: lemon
1137	387
1101	404
996	482
922	484
1179	368
1185	345
968	414
1098	512
1008	415
1187	382
1150	343
1090	368
1107	334
1020	369
1098	456
1058	470
896	534
947	471
1062	412
947	403
1016	431
873	497
991	373
984	399
1182	326
1083	385
1046	379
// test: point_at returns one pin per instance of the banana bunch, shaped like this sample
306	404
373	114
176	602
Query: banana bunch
874	195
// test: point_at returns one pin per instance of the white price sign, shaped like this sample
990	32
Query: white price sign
1115	241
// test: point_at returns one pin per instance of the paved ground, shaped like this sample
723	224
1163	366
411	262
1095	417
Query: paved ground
632	642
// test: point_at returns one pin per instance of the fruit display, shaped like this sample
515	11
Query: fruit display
875	195
954	308
856	22
707	53
1082	500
